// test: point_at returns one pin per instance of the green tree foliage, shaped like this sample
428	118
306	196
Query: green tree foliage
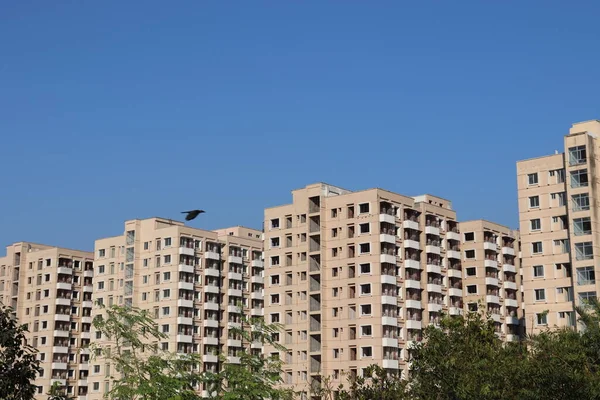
142	370
58	392
18	364
376	384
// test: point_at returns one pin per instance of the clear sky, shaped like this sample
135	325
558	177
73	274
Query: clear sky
116	110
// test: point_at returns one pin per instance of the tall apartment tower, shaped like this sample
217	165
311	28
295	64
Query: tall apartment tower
192	281
491	274
355	276
558	203
49	289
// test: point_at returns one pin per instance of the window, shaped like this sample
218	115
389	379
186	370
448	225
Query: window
101	285
536	224
275	298
100	269
146	245
366	351
168	259
559	174
532	179
166	293
470	254
586	276
166	310
469	236
538	271
365	248
579	178
540	294
96	386
365	289
541	319
471	271
365	268
366	330
534	202
275	223
584	251
166	276
365	309
363	208
472	289
102	253
274	260
577	155
585	297
582	226
165	328
275	280
536	247
365	228
581	202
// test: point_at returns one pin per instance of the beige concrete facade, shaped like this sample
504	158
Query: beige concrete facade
50	290
559	229
191	280
491	274
355	276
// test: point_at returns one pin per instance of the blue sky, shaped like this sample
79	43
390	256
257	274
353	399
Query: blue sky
118	110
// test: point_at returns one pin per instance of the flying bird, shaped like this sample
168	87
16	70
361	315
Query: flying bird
192	214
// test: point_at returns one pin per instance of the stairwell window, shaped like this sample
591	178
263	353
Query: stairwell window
579	178
577	155
586	297
582	226
584	251
586	276
581	202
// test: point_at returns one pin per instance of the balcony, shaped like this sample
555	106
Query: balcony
82	382
490	263
510	285
211	255
88	273
432	249
387	258
60	349
210	323
211	289
88	288
86	319
59	365
58	333
390	364
257	312
492	299
185	303
184	321
432	307
415	304
411	244
389	300
391	280
455	292
212	341
233	309
234	343
85	335
512	337
256	345
390	219
210	358
235	325
234	259
389	342
257	279
186	268
64	270
83	366
257	295
491	281
412	324
512	320
233	360
435	269
453	236
508	250
410	225
414	264
63	302
234	276
412	283
509	268
495	317
453	254
63	285
454	273
455	311
210	306
185	285
187	251
490	246
385	238
234	292
511	303
258	263
389	321
87	304
212	272
434	288
432	230
184	338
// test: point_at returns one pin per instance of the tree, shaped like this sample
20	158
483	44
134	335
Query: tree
144	372
18	364
376	384
58	392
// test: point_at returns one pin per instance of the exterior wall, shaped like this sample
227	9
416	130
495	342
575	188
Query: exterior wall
354	276
191	280
491	274
551	286
50	290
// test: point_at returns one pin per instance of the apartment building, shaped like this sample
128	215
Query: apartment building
194	282
50	290
491	274
559	229
355	276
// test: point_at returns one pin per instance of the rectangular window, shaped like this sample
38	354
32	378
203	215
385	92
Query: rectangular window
541	319
365	268
469	236
472	289
363	208
532	179
585	297
536	247
540	294
536	224
364	228
581	202
470	254
365	289
471	271
582	226
365	248
365	309
586	276
559	174
584	251
577	155
534	202
538	271
579	178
